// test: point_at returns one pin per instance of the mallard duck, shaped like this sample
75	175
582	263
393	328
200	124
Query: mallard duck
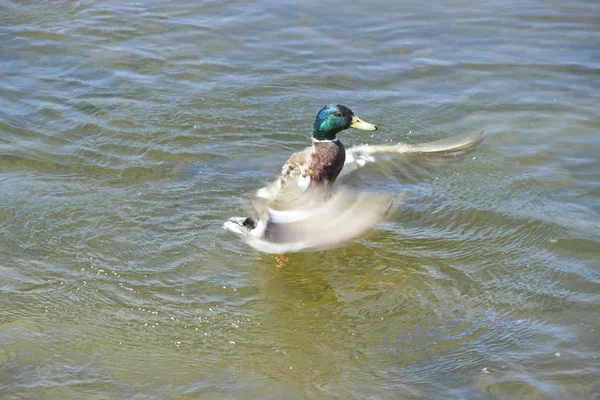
302	210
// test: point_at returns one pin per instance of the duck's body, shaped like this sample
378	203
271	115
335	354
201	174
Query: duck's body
326	161
299	211
317	165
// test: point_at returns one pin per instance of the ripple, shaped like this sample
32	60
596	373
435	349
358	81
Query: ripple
130	131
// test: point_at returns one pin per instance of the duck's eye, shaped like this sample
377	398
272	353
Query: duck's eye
337	114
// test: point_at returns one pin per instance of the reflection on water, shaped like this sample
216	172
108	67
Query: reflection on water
130	132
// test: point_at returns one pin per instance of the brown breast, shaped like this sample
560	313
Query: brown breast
327	161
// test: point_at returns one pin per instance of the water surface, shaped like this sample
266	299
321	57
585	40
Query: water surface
130	131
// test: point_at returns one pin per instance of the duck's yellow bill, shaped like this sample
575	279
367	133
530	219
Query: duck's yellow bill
362	125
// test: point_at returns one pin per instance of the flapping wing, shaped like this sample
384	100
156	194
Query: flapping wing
318	224
293	173
397	158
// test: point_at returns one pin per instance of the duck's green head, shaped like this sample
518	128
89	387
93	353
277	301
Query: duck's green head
333	119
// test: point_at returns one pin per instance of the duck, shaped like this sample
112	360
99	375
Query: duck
304	208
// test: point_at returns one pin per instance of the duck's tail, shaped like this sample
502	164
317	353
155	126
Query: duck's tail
246	226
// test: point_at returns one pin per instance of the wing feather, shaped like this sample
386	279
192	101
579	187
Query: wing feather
361	156
295	171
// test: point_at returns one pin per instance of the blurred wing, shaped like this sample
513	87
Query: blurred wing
318	224
407	159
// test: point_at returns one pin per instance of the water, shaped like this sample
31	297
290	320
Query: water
130	131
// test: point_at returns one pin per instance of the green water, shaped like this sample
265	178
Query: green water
130	131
